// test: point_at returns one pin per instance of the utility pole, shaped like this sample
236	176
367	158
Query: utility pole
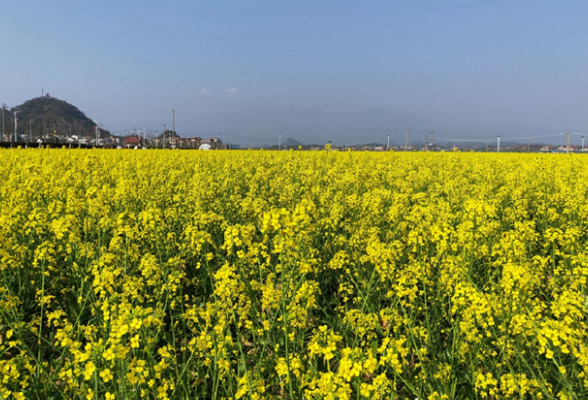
406	141
3	125
582	144
96	144
30	130
388	143
568	142
163	138
279	140
174	126
427	141
15	126
498	144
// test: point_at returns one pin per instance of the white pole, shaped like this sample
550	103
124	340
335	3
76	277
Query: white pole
388	144
582	144
498	144
279	140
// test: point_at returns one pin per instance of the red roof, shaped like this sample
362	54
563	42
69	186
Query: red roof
131	140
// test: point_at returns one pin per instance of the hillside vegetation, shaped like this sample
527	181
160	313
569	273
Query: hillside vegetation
48	115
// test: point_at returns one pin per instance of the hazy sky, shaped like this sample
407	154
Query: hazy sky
461	68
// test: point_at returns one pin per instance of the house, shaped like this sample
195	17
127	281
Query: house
215	143
189	143
131	142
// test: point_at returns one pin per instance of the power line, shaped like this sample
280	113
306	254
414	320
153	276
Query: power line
535	137
504	138
465	140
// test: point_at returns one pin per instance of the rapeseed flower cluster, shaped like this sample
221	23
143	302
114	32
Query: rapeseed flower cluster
262	275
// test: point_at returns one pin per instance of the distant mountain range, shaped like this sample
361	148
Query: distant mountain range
259	127
262	127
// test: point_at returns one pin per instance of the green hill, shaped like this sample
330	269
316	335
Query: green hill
50	116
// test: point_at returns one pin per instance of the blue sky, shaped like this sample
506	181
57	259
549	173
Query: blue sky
461	68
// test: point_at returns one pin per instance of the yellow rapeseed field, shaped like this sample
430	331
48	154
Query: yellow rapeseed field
291	275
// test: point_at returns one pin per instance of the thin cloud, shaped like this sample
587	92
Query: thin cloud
232	90
204	92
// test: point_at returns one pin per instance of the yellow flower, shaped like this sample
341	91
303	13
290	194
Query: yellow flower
135	341
106	375
89	370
